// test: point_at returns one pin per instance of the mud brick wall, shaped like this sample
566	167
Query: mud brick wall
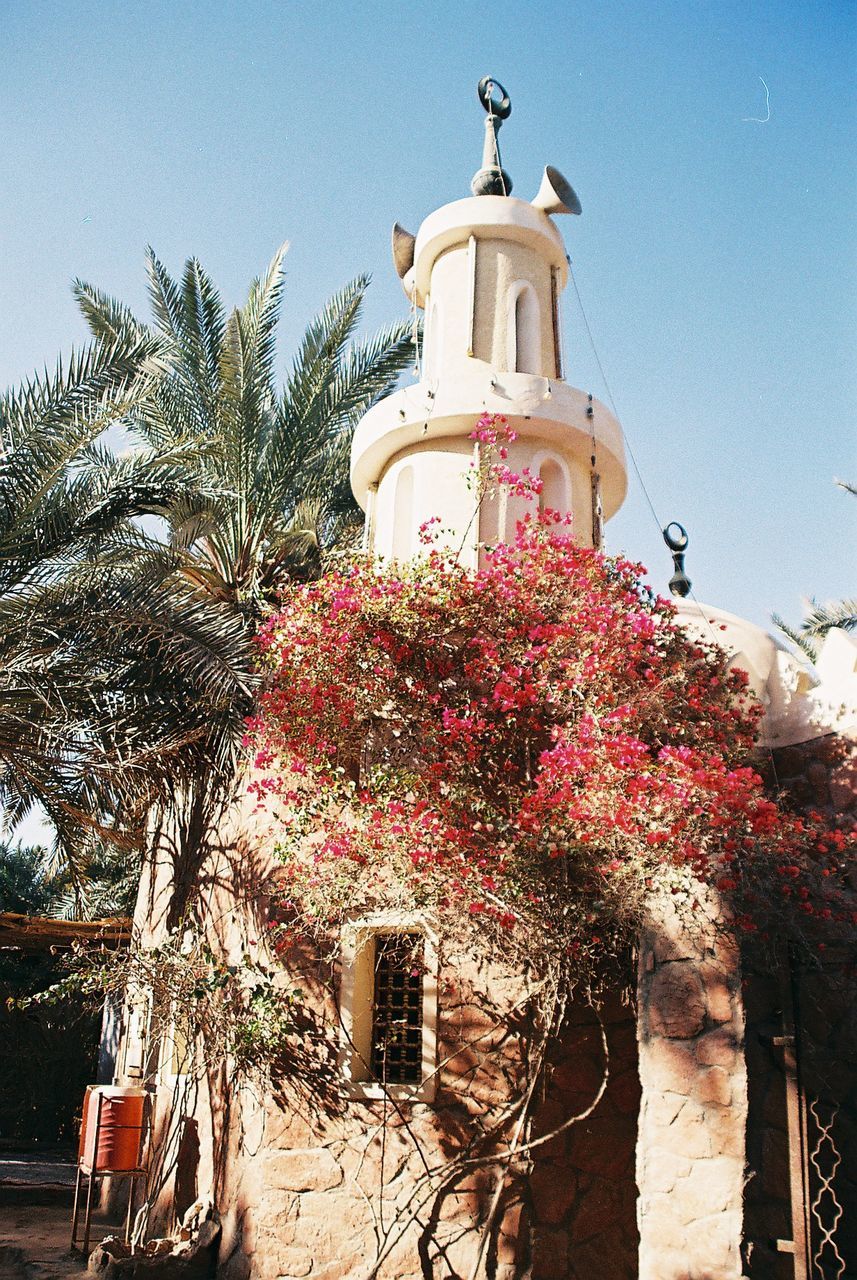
582	1187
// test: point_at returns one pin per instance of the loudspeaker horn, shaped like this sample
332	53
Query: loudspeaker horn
403	250
555	194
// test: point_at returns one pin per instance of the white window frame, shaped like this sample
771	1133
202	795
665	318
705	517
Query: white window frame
169	1051
356	1000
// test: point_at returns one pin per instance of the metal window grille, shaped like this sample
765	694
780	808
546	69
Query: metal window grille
397	1009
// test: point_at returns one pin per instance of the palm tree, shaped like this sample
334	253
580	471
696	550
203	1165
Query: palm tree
267	495
26	886
821	618
276	461
59	503
126	662
77	599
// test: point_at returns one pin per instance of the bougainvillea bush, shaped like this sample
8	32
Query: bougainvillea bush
532	750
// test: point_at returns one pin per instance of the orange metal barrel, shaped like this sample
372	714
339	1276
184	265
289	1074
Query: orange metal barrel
112	1119
80	1144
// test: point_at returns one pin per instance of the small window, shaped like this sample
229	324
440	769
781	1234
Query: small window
178	1053
388	1006
397	1008
136	1055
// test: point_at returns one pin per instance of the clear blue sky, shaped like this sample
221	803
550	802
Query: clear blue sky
716	255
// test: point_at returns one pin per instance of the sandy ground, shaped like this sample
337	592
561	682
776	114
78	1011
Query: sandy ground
34	1242
35	1220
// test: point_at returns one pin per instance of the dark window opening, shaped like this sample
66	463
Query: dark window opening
397	1008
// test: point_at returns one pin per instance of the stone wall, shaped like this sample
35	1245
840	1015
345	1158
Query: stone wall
308	1180
820	774
690	1149
323	1176
699	1172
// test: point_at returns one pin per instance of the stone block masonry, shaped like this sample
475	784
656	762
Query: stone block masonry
693	1111
315	1182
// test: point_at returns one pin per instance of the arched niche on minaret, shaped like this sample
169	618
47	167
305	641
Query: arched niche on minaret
555	492
523	329
403	514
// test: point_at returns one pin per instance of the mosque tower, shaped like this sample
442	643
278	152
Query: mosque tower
487	272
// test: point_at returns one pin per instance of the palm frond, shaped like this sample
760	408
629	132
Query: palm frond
95	380
204	321
166	299
261	313
805	643
368	371
109	321
824	617
322	346
247	374
326	396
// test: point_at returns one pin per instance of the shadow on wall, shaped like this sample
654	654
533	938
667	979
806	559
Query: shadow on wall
582	1189
187	1167
301	1169
821	1005
568	1212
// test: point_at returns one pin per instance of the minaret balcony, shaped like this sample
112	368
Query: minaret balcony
545	413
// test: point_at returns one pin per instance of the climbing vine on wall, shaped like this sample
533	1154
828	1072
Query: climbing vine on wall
533	750
199	1009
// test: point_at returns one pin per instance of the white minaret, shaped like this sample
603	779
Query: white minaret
488	272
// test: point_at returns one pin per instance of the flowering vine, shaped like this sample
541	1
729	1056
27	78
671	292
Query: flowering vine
533	750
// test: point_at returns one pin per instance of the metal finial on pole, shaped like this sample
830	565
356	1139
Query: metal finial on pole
675	536
492	179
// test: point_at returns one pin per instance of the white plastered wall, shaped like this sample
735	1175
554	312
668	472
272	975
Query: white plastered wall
438	488
503	270
800	703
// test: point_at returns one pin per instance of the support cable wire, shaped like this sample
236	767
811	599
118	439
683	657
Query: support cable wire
631	453
660	527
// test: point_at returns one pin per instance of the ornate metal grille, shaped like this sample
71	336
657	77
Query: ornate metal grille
397	1011
817	1025
825	1209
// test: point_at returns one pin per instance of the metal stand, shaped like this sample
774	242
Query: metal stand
91	1172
